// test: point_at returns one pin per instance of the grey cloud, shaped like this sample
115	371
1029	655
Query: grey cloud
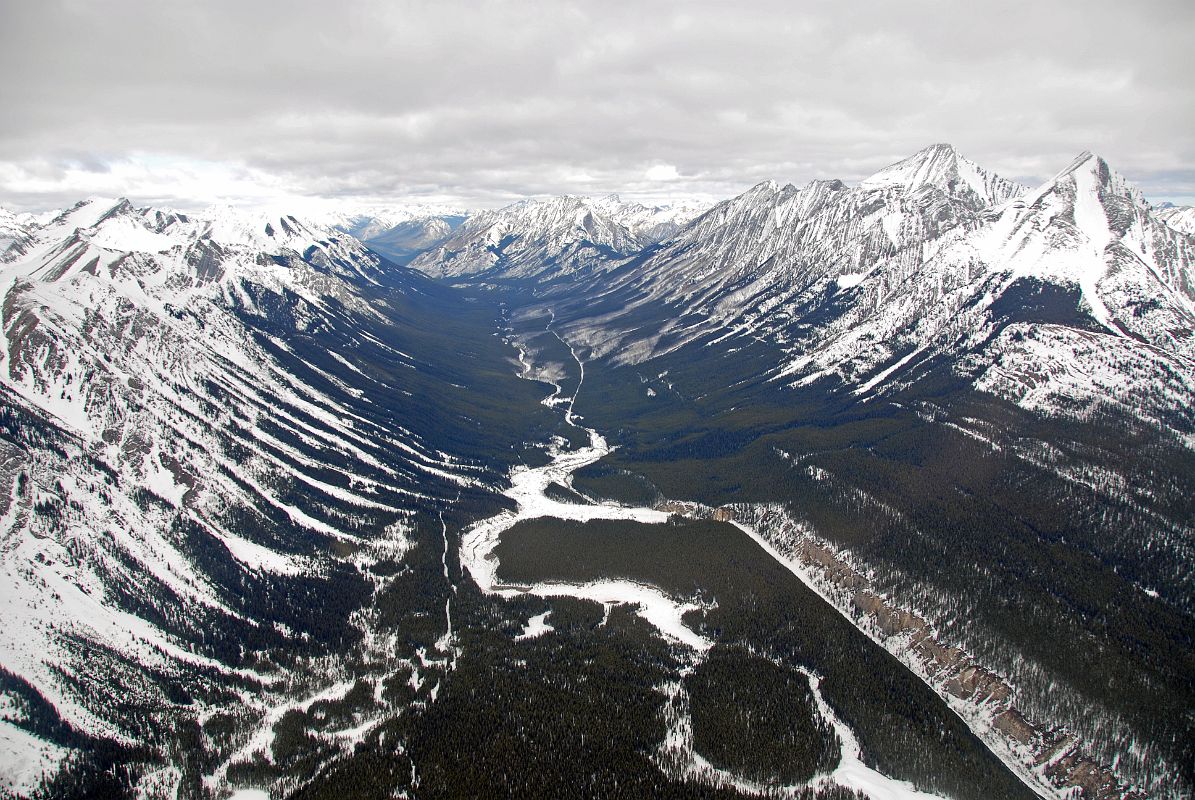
484	102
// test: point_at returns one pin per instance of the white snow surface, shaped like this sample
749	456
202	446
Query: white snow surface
25	759
536	626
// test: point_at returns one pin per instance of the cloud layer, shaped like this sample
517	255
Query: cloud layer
483	102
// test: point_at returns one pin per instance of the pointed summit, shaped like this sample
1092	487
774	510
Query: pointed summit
942	167
763	189
1092	196
1090	170
1088	164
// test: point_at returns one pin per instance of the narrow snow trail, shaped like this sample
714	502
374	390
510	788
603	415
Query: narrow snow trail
665	613
569	416
445	643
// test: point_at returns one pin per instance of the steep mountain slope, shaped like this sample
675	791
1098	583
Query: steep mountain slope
217	442
16	234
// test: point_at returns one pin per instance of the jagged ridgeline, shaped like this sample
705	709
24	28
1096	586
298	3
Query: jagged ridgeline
910	464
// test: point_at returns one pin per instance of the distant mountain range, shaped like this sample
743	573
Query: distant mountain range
544	239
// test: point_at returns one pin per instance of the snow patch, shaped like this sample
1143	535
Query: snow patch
536	626
24	759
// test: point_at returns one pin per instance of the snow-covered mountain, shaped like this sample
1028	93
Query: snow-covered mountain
751	256
654	223
933	256
1181	218
544	239
189	455
368	222
943	167
16	234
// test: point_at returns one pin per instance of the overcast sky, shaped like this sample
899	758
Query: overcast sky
480	103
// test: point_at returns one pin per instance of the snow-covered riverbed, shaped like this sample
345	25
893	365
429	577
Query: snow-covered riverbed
528	487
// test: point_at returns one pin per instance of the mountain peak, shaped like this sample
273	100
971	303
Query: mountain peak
918	169
87	213
1089	174
1089	162
762	189
939	150
942	167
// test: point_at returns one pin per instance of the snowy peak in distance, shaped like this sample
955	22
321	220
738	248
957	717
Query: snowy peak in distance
17	232
167	254
550	237
118	225
943	167
653	223
366	223
1181	218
